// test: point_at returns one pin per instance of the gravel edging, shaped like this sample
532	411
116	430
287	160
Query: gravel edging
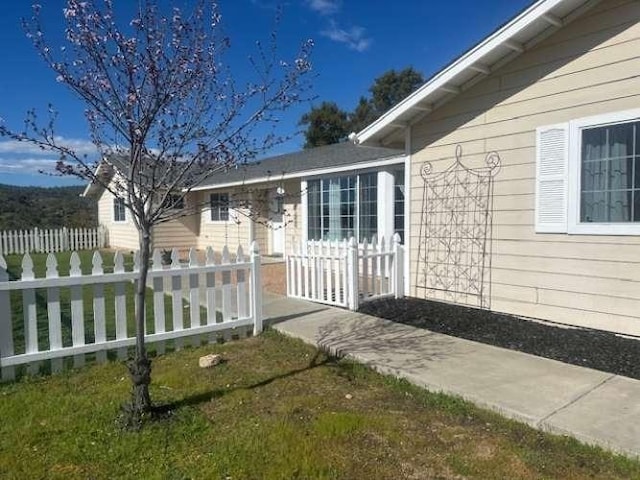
595	349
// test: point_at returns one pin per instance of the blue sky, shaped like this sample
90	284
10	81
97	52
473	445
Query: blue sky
355	41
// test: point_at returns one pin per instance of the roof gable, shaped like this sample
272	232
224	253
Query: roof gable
527	29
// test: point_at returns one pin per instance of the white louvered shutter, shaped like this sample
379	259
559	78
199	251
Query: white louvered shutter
552	165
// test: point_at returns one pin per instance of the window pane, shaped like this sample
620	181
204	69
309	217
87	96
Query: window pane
219	204
593	207
314	210
594	175
621	140
594	142
368	197
620	206
621	174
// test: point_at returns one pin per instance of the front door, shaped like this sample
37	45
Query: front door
277	224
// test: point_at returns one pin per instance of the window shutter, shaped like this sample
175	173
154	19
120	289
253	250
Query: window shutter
552	164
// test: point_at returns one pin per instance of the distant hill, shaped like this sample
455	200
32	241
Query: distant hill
29	207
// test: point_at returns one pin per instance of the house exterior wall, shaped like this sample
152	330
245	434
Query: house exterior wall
181	233
292	213
589	67
121	235
233	232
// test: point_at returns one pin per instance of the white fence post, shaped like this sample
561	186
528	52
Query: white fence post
352	275
256	289
6	325
398	267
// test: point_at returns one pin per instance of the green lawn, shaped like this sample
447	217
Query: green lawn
276	409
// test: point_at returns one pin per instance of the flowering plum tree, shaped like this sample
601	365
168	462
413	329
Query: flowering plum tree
160	98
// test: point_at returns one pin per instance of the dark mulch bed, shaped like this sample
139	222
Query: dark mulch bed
588	348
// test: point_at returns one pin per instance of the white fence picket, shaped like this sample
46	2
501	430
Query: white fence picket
176	298
210	292
159	324
345	273
120	304
226	287
30	313
194	295
241	280
40	240
53	313
240	309
99	321
77	310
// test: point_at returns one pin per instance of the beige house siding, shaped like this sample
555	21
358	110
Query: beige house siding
121	235
590	67
261	231
181	233
241	229
233	232
292	213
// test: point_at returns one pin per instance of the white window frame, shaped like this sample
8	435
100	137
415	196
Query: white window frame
574	226
385	199
113	210
230	216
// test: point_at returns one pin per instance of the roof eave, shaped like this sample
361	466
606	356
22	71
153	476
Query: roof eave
418	102
394	159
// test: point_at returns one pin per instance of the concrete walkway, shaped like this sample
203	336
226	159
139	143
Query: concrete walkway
594	407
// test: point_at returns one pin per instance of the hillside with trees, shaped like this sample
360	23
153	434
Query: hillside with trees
55	207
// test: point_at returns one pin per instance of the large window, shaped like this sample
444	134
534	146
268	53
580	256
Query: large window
174	202
588	175
119	210
610	176
219	203
335	212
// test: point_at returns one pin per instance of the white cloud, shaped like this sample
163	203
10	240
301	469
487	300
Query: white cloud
354	38
324	7
79	146
27	165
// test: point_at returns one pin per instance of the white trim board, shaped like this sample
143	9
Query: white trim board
452	78
307	173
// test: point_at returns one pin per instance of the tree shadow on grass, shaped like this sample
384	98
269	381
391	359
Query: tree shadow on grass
161	411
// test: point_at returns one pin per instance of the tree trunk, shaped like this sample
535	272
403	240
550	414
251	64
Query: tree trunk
140	366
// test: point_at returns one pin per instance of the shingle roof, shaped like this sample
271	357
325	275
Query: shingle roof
340	154
296	163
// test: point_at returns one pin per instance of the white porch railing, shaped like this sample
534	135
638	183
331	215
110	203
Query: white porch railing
51	240
221	296
345	273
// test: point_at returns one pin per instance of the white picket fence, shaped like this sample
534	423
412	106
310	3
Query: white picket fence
345	273
219	296
52	240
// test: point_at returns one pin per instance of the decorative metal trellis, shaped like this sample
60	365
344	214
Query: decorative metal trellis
454	255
